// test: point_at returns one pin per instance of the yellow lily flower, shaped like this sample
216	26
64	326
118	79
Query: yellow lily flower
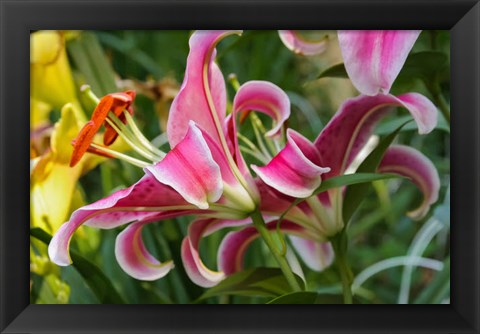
54	189
51	86
52	181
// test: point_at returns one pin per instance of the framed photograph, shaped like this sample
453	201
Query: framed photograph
193	163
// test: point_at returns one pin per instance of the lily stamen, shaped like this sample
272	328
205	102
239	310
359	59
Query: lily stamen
258	124
131	139
136	131
125	118
114	111
106	152
253	150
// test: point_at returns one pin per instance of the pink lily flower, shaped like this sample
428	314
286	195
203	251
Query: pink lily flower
205	175
311	223
374	58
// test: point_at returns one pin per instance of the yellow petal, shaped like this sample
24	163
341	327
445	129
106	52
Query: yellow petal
50	75
39	112
66	129
51	191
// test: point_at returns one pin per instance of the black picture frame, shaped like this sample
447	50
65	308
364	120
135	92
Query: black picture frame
19	17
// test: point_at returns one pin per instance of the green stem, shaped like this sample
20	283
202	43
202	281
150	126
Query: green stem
346	282
282	262
339	244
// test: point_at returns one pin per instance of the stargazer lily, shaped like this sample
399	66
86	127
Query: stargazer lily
205	175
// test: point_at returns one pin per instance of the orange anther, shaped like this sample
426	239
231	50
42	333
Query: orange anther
115	102
82	142
244	115
122	101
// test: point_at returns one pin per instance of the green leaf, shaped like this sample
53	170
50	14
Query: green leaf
350	179
80	292
355	194
93	276
131	51
425	65
263	282
304	297
336	71
308	297
389	126
343	180
89	58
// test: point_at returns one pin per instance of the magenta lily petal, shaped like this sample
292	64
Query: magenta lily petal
353	124
134	258
299	45
374	58
411	163
265	97
202	96
233	247
317	256
143	199
294	171
220	158
193	264
172	182
272	199
196	270
422	109
275	203
189	168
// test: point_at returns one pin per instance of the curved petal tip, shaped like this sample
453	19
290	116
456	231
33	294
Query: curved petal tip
265	97
296	43
134	258
58	247
409	162
294	171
